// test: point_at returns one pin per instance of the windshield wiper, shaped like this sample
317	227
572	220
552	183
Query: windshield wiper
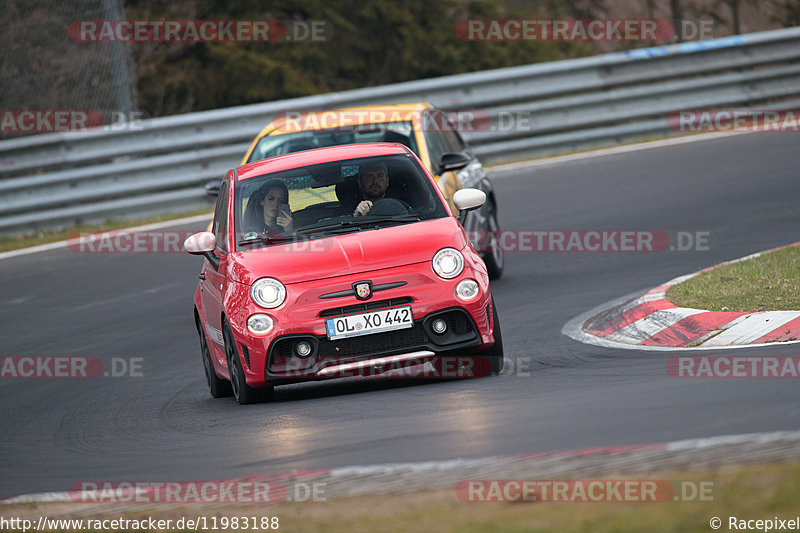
267	238
337	227
346	226
405	219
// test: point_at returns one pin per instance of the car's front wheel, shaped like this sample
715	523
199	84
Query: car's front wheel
495	354
219	388
243	392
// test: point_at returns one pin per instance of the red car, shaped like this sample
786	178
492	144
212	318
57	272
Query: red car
336	262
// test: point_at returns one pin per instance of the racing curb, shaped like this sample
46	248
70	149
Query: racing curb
399	478
650	320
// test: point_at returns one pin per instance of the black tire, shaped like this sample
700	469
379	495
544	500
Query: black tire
495	353
493	254
219	388
244	393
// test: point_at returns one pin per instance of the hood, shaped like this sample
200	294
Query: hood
351	253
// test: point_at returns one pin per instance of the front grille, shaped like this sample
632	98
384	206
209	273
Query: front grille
366	306
457	322
355	346
460	327
283	347
461	332
379	342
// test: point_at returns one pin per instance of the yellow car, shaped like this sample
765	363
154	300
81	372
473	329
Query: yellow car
425	130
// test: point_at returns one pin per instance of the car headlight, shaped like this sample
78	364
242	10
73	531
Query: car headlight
260	324
467	289
448	263
268	293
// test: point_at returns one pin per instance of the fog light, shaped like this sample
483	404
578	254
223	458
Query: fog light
260	324
467	290
303	349
439	326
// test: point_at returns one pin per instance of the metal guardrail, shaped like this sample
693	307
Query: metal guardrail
57	180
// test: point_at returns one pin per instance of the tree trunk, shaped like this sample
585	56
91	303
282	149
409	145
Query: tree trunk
734	5
677	17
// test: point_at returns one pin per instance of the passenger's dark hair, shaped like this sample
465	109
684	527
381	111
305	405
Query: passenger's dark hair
254	213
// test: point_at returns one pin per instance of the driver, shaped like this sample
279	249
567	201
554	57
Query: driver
372	184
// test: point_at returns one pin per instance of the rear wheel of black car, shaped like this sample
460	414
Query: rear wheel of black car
244	393
219	388
492	251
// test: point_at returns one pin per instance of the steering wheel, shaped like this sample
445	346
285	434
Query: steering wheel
390	207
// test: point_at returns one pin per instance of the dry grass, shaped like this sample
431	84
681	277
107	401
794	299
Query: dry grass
770	282
749	492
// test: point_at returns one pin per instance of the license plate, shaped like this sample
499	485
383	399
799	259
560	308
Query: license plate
369	323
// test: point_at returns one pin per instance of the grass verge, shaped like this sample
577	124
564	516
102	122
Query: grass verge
770	282
45	237
746	492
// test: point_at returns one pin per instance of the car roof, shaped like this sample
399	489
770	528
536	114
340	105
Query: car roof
342	117
318	155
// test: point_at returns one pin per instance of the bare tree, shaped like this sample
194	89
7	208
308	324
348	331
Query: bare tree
677	16
735	18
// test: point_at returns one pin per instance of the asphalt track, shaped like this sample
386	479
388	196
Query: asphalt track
163	426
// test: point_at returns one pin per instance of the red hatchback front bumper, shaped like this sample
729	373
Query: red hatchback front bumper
274	359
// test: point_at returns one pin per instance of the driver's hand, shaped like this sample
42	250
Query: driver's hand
285	220
362	208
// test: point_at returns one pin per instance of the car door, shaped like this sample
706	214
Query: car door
474	176
214	279
482	225
439	140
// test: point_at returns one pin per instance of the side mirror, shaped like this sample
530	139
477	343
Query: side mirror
453	161
212	187
468	199
200	243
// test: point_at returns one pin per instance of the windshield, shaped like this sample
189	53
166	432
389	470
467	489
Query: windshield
333	198
396	132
